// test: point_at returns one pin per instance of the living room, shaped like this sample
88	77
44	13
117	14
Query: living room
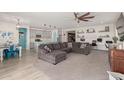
49	43
79	54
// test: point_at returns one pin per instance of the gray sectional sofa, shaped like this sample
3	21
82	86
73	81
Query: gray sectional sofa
56	52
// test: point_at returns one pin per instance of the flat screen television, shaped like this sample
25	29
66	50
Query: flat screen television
38	36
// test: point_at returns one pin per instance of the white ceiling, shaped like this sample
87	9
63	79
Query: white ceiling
58	19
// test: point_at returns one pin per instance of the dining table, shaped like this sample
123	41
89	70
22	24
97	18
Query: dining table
2	48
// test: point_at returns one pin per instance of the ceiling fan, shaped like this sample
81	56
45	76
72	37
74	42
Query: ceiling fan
85	17
18	23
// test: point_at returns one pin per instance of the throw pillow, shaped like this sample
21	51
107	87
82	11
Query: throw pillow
47	48
70	45
64	45
83	46
44	51
60	45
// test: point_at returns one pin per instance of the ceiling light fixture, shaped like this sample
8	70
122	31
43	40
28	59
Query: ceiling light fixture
18	23
44	24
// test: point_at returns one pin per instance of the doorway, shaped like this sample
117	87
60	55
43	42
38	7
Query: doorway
23	37
71	36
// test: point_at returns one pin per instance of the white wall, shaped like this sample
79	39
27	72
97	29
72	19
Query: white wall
64	34
55	35
10	27
92	36
51	34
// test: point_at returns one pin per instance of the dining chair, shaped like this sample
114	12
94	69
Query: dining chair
11	52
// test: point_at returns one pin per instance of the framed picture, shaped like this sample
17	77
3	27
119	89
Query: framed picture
38	36
80	32
82	39
90	30
78	36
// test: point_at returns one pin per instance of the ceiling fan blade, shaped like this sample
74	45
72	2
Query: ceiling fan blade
85	20
18	21
88	13
88	17
75	14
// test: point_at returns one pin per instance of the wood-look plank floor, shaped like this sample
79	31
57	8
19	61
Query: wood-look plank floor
21	69
75	67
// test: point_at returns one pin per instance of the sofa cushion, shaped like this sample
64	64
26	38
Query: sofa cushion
61	45
67	50
41	46
50	46
70	45
43	51
56	54
56	46
64	45
76	44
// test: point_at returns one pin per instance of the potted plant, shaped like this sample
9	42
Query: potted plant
122	40
115	39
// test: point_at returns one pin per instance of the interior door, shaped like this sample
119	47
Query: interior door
71	36
22	37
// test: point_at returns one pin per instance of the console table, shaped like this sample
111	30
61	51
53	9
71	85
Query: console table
116	59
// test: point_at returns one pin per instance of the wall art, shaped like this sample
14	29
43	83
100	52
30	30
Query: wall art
80	32
107	29
91	30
